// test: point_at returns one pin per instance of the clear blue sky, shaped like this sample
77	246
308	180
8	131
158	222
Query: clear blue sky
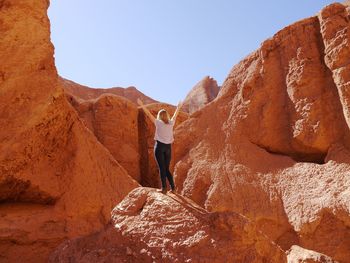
163	47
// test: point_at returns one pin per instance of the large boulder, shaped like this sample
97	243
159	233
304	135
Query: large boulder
148	226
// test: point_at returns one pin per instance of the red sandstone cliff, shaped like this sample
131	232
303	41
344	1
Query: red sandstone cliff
56	180
279	151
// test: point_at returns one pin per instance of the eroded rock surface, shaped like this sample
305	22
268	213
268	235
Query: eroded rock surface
148	226
279	152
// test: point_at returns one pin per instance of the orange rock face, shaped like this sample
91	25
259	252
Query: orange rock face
201	94
56	180
126	132
114	122
334	29
122	128
278	152
86	93
148	226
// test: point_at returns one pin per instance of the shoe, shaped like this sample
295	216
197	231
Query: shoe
161	190
173	190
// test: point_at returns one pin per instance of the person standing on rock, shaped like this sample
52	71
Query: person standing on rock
163	139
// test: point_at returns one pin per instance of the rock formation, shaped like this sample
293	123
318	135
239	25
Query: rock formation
125	131
87	93
279	151
298	254
265	180
120	126
148	226
201	94
56	180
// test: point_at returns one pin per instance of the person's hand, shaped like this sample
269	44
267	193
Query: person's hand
139	102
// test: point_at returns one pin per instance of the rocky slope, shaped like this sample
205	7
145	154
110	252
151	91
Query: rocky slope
279	152
87	93
201	94
56	180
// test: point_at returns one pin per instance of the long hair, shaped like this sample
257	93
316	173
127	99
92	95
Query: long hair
163	115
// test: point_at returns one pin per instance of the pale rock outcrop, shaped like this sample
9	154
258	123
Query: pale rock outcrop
200	95
300	255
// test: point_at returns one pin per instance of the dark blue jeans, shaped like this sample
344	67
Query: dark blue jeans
162	153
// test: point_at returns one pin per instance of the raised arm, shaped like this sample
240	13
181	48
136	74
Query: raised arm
179	105
148	113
